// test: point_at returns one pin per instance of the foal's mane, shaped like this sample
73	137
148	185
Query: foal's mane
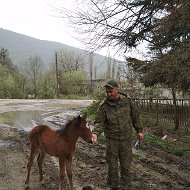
65	127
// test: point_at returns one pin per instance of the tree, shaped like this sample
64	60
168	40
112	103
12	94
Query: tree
73	83
68	63
126	24
121	24
7	84
171	72
34	69
170	65
164	25
9	77
47	87
5	60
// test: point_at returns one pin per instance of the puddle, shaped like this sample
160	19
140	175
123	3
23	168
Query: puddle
25	114
26	120
19	119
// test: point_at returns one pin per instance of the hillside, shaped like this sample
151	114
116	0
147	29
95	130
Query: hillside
21	47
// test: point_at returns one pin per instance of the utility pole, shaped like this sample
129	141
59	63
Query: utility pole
91	69
91	65
56	74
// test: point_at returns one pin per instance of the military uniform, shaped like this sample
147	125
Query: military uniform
116	119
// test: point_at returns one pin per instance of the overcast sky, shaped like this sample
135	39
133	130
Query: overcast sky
36	18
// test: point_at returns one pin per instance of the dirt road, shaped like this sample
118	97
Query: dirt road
152	168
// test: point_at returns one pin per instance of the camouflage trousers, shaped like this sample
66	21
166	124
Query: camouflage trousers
119	158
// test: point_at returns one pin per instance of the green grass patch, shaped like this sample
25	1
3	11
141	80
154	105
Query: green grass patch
165	145
102	138
147	122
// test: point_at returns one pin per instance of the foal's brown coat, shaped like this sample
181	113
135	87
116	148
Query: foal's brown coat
60	143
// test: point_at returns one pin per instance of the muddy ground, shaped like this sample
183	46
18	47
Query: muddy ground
152	167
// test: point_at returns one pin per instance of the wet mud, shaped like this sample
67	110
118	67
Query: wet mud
152	167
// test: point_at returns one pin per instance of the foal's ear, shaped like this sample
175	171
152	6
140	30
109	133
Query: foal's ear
82	117
79	118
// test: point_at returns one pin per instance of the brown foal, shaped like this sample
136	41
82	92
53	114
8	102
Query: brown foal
59	143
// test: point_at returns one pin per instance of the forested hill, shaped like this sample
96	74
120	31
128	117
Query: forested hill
21	47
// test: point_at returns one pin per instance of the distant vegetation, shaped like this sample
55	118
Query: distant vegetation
65	77
33	68
33	80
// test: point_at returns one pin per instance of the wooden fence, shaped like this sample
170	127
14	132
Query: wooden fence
163	110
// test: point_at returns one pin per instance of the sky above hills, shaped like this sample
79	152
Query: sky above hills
38	19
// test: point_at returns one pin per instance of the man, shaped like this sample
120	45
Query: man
116	115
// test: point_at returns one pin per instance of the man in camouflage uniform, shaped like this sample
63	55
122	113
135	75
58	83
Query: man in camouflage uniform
116	115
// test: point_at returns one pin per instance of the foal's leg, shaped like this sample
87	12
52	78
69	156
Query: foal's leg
40	161
69	173
33	149
62	173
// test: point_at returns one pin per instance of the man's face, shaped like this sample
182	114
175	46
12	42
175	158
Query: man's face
112	93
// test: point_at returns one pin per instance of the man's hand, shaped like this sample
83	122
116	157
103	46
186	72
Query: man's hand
94	138
140	136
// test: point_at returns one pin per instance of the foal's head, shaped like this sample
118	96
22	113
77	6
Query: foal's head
84	132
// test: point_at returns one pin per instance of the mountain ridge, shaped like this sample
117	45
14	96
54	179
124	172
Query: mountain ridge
21	47
10	39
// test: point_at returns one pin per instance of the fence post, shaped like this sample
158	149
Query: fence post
157	112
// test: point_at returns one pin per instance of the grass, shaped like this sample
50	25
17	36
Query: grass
91	110
164	144
102	138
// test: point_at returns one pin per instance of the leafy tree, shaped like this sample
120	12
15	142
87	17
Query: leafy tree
5	60
9	77
73	83
7	82
70	72
46	88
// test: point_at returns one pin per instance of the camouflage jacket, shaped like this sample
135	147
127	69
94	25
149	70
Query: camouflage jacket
116	119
